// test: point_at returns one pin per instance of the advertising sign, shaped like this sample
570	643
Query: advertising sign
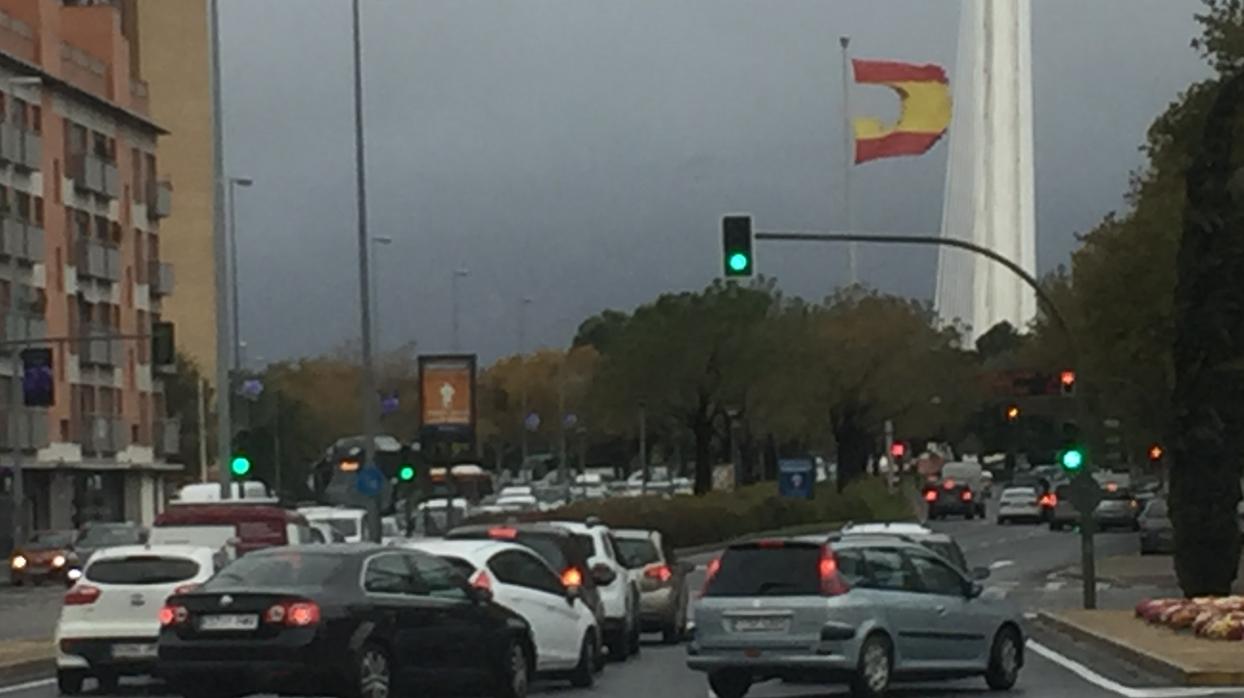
796	476
447	392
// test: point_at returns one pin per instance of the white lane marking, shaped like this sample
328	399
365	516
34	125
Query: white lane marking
1000	564
27	686
1119	689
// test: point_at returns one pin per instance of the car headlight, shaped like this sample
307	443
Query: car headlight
18	562
58	561
74	574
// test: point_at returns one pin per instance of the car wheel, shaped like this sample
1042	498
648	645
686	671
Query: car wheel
107	682
373	676
632	640
513	682
970	515
598	652
1002	521
18	581
1055	526
1004	660
872	677
69	682
616	643
730	683
584	674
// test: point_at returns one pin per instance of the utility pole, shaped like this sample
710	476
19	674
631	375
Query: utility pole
643	447
276	442
19	486
561	427
220	251
202	427
522	365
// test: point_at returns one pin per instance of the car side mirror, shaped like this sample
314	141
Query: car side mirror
980	573
479	595
573	594
603	574
974	590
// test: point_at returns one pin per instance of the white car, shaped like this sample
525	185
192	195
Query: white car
110	619
620	597
516	491
350	523
1019	504
563	627
517	503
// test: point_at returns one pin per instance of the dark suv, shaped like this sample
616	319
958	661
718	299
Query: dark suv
565	552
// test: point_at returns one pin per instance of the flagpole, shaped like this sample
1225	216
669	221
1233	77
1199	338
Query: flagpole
847	160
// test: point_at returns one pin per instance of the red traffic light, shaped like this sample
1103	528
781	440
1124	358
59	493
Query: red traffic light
1067	381
1012	413
898	449
1155	452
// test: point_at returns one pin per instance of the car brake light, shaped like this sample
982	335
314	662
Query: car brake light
714	566
81	595
173	614
832	583
659	572
503	532
298	614
930	496
949	484
769	543
481	580
572	577
1047	500
966	496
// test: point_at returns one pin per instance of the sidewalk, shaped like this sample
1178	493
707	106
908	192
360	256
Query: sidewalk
1143	570
1180	656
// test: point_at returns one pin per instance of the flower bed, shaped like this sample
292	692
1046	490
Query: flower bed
1213	617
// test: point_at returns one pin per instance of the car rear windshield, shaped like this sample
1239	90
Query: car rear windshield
465	568
586	544
546	547
768	570
147	569
46	540
282	569
105	536
1022	493
637	552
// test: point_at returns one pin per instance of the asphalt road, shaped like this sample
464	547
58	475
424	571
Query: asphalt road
1026	561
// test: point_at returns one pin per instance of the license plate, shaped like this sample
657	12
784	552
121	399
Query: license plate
134	650
229	622
760	625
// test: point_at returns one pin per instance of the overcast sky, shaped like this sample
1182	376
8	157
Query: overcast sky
581	152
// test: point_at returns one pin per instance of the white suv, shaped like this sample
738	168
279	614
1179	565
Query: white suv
111	617
563	626
619	596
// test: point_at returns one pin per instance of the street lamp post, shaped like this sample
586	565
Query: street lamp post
522	364
460	272
220	251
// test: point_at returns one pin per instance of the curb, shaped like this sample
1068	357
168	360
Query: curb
1162	666
27	670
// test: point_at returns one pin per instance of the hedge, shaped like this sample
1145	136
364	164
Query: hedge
717	517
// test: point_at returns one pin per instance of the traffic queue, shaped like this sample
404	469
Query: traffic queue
245	596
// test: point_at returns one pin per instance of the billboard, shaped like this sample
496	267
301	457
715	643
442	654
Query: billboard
447	392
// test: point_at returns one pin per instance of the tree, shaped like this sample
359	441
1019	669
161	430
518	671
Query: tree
181	402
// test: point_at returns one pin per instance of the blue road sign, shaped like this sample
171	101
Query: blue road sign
370	481
532	422
796	476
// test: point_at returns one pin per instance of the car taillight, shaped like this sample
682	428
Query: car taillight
770	544
966	496
930	496
297	614
572	577
659	572
503	533
949	484
1047	500
832	583
172	614
81	595
481	580
713	567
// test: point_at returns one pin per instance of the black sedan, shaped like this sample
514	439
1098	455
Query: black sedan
351	621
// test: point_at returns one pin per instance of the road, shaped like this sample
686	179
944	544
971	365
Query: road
1025	561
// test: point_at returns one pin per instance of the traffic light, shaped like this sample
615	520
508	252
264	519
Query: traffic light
736	240
1072	459
240	465
1012	413
1156	452
1067	382
898	449
406	473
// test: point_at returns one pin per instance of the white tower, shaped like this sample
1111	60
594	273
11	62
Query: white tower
990	172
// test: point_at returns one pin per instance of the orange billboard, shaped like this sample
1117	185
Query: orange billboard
447	391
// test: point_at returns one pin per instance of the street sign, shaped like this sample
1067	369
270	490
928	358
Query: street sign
532	422
796	476
1086	494
570	421
369	481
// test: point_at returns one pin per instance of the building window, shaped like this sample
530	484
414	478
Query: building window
36	118
23	207
19	113
64	430
103	229
39	211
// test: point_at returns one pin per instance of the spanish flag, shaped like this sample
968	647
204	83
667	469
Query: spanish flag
924	112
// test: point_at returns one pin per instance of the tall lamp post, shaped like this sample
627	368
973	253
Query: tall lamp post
234	183
377	241
522	363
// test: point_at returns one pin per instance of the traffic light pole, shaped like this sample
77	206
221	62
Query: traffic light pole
1088	566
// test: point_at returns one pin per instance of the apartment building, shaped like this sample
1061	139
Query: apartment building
82	198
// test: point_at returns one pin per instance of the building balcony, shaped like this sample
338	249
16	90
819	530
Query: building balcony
84	70
17	326
98	260
21	240
167	437
140	99
94	174
95	348
27	427
159	199
160	278
20	147
103	434
16	37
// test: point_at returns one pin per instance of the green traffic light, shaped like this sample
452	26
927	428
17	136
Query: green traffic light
240	466
738	262
1073	459
406	473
